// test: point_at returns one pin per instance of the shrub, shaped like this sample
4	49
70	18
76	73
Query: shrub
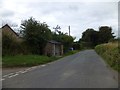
110	54
11	46
76	46
87	45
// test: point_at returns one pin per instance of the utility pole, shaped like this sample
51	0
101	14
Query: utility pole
69	30
56	28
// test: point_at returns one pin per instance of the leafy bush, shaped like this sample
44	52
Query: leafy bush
110	53
36	35
71	52
11	46
76	46
86	45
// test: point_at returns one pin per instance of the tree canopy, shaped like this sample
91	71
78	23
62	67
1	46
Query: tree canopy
65	39
92	37
36	35
105	34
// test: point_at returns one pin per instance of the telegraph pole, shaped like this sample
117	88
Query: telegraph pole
56	28
69	30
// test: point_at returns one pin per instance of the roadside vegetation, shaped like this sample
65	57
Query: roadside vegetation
110	53
91	38
71	52
31	60
34	35
26	60
29	51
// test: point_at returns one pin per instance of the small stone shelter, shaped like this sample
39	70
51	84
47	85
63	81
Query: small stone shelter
53	48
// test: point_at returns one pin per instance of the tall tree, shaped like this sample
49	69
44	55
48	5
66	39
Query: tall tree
105	34
65	39
36	35
90	36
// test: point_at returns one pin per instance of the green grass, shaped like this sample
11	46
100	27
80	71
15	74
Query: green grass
26	60
110	54
30	60
71	52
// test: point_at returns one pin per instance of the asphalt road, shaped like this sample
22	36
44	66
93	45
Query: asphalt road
85	69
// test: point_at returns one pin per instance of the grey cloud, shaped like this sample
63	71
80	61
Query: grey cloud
7	13
52	7
10	22
73	7
92	16
79	16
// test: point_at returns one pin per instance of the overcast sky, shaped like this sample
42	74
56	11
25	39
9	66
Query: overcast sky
79	14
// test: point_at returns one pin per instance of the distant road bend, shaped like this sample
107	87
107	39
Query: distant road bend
85	69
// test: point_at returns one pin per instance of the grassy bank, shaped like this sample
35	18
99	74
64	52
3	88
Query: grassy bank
71	52
29	60
110	54
26	60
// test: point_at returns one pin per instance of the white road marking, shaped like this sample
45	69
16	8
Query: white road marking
13	76
43	65
8	75
18	72
2	79
23	71
28	69
34	67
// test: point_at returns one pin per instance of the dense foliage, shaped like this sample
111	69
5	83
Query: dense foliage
36	35
65	39
11	46
110	53
105	34
91	38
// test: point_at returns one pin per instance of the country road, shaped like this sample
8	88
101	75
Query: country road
85	69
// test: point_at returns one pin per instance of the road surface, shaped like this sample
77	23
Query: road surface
85	69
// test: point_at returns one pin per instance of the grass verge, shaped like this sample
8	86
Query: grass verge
26	60
30	60
71	52
110	53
